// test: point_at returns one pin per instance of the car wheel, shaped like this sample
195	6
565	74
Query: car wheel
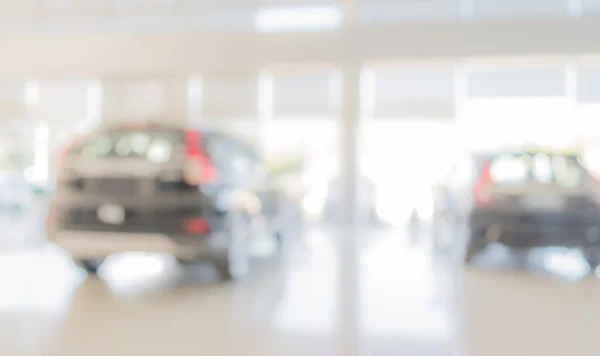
279	238
592	257
235	264
475	246
91	266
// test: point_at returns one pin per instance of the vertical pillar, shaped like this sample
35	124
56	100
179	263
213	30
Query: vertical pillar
351	12
41	137
138	99
575	8
466	9
350	122
349	148
572	124
195	97
265	108
57	123
350	139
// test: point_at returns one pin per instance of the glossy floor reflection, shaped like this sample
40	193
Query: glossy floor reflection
381	293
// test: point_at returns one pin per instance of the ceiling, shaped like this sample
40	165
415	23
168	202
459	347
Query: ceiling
240	14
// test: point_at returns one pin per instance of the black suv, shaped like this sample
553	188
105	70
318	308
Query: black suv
195	194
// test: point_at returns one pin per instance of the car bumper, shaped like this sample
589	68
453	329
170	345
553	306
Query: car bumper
92	244
583	234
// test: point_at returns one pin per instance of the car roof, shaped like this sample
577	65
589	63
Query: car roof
562	152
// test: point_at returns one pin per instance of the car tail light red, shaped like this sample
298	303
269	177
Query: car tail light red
594	186
63	156
481	191
50	222
198	168
196	226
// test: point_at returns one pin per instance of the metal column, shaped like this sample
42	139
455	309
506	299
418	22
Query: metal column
349	149
350	139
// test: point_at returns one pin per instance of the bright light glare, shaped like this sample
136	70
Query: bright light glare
569	264
129	271
41	159
509	169
304	18
425	207
30	174
314	203
392	210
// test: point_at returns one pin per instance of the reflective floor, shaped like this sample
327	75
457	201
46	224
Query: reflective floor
372	292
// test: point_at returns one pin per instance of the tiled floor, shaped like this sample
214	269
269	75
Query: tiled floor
373	292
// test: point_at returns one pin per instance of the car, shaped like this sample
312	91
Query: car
524	199
196	194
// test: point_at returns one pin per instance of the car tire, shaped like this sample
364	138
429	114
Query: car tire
592	257
91	266
475	246
280	239
235	264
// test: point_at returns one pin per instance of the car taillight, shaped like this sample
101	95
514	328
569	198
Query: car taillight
198	169
50	222
63	157
594	186
51	218
196	226
481	191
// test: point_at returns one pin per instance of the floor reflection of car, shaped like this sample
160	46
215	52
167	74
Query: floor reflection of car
153	188
323	200
521	200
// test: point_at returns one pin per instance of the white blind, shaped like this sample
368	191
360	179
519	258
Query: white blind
141	99
12	100
303	94
229	96
517	83
588	84
414	92
60	102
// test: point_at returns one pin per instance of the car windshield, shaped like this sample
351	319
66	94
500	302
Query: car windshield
543	168
156	146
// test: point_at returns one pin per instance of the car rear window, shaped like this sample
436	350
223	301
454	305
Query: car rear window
543	168
154	145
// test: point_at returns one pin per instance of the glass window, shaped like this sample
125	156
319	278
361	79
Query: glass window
541	168
537	168
509	169
567	171
156	146
220	150
244	160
